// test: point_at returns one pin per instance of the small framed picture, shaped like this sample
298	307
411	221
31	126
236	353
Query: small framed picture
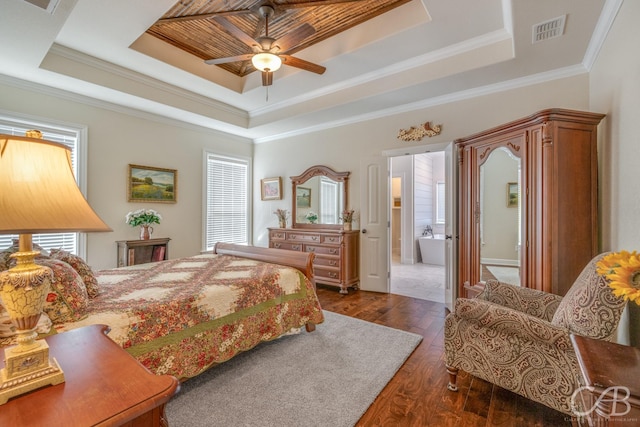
271	188
303	197
512	195
150	184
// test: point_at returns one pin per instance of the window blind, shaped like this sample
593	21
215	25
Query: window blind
227	204
68	137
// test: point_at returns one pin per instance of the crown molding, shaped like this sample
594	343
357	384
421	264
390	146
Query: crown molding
142	79
118	108
603	26
389	71
438	100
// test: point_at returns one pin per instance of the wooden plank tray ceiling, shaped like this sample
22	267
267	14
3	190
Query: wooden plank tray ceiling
189	26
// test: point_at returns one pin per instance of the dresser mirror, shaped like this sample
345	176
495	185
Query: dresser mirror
500	216
320	194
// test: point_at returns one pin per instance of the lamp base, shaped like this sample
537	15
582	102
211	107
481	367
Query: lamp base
25	371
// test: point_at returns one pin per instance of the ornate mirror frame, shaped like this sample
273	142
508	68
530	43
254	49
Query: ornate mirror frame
313	171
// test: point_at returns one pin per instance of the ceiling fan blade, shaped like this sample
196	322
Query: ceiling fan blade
236	32
302	64
267	78
216	61
294	37
203	16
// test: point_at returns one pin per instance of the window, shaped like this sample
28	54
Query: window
227	200
329	200
75	139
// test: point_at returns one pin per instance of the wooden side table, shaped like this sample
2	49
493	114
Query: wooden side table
612	371
104	386
132	252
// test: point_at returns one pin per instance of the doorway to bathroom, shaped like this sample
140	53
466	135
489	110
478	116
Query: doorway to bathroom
417	226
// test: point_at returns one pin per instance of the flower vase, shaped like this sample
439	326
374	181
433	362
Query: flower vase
145	232
283	223
347	226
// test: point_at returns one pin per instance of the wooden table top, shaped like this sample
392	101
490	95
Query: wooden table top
104	385
606	364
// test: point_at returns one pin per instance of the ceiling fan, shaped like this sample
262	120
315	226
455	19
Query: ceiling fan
268	53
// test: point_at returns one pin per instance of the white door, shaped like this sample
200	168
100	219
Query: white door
374	224
451	225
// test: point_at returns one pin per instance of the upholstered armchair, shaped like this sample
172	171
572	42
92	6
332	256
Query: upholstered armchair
518	338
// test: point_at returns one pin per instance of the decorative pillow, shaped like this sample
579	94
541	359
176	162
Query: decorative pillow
67	300
589	308
5	255
7	328
83	269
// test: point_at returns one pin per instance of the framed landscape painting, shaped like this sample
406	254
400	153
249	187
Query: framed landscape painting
150	184
512	195
303	197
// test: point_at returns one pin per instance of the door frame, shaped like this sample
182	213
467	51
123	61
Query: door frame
451	288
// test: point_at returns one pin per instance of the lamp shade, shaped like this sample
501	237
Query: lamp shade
266	61
38	191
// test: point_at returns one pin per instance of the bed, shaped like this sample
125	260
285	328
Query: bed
182	316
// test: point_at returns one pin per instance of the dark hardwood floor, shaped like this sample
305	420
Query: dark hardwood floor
417	395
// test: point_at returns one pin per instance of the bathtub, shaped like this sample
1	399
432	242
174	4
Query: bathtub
432	249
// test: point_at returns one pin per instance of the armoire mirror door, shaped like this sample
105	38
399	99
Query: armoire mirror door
500	221
493	211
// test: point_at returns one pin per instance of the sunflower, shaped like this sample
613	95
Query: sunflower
622	269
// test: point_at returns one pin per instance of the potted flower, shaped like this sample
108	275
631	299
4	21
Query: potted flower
312	217
143	218
347	218
282	215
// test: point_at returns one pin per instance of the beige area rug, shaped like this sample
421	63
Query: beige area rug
506	274
325	378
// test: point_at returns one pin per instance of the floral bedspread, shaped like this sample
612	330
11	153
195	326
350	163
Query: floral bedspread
181	316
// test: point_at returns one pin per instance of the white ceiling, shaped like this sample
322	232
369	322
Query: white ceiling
420	54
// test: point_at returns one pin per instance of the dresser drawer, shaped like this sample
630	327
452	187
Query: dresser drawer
277	235
331	239
326	273
286	245
326	261
323	250
303	237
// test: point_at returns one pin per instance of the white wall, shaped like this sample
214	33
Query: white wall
614	88
342	147
118	139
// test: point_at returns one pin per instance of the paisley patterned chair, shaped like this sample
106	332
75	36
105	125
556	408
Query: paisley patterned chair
518	338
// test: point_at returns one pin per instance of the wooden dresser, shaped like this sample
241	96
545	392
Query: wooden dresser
337	253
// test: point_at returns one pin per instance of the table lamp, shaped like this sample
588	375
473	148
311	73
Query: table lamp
38	194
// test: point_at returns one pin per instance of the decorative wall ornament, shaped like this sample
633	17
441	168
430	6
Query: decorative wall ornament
416	134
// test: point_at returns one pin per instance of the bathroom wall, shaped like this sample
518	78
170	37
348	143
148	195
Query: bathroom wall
428	170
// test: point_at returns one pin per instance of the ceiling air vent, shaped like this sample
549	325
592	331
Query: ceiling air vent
548	29
48	5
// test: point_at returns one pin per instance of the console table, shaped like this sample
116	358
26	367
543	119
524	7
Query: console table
104	385
131	252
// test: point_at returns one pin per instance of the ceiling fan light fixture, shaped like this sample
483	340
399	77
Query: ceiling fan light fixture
266	61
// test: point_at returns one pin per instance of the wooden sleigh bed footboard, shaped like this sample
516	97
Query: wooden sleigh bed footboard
302	261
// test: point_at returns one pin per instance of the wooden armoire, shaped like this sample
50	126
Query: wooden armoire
555	150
